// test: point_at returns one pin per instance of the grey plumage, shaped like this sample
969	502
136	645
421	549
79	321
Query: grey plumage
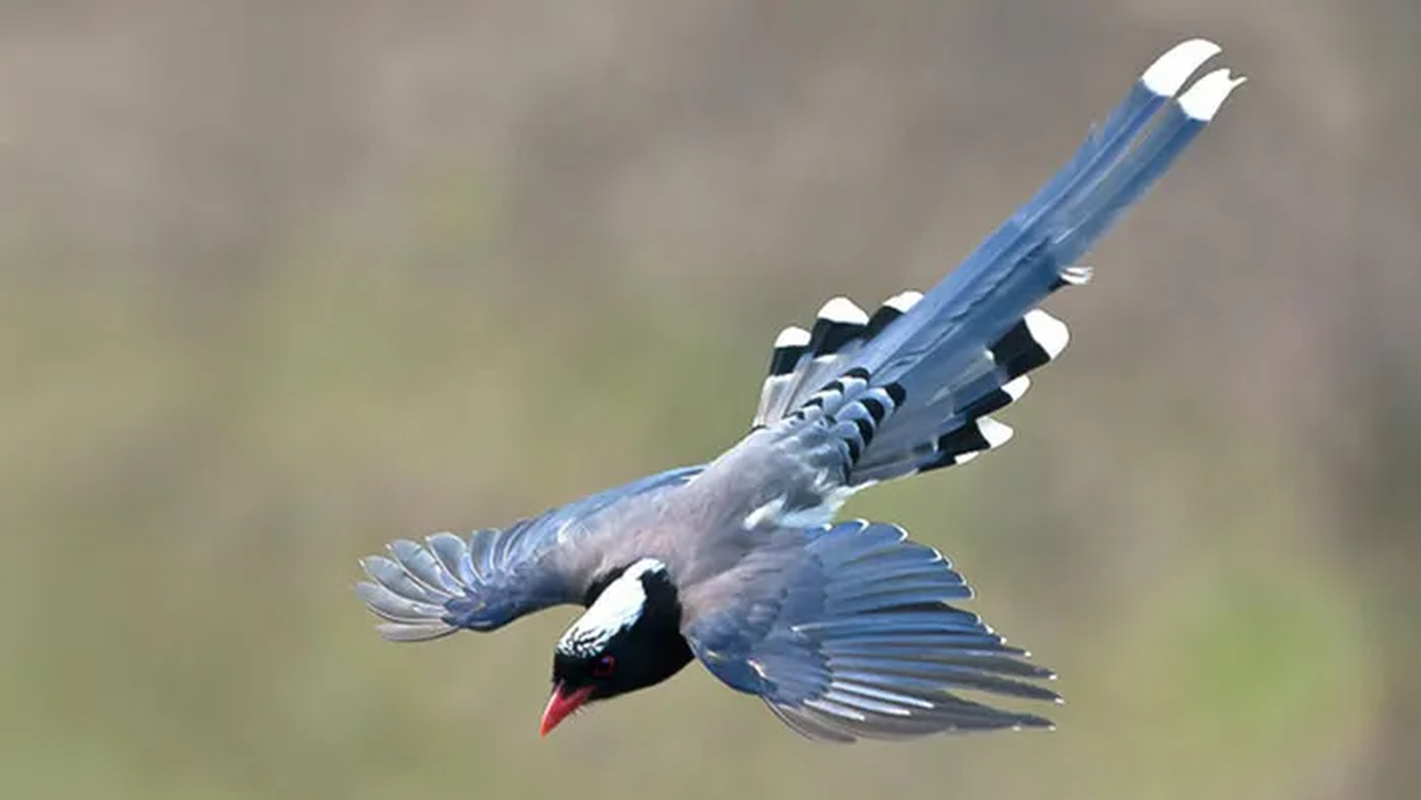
846	631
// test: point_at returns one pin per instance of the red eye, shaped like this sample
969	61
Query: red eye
604	667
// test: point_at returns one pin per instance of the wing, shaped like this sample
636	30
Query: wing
848	633
484	582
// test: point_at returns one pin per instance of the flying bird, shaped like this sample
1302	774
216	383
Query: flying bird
846	630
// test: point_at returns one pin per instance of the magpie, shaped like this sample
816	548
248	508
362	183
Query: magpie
846	630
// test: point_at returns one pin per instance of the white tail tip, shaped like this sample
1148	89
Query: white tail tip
1049	333
1016	387
903	301
994	432
1077	275
842	309
1204	98
792	336
1169	72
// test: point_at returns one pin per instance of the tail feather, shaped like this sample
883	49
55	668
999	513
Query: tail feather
790	344
929	368
996	379
803	361
837	333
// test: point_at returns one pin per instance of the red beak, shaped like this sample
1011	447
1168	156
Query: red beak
560	705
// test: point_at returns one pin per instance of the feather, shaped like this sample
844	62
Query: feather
960	351
859	642
494	576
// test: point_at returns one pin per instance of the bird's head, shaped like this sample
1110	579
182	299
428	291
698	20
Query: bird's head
629	638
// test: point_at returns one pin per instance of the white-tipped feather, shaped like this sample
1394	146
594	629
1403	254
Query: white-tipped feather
1077	276
1169	72
1203	99
903	301
1016	387
842	309
994	432
1049	333
793	336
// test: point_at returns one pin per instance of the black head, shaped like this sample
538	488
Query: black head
629	638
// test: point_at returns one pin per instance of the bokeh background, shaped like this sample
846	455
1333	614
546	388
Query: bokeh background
282	281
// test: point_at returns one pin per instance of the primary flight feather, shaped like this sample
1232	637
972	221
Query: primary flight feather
846	630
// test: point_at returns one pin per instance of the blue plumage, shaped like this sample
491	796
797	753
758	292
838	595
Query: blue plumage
858	631
845	630
953	353
495	576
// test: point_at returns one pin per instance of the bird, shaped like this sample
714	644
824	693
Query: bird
847	630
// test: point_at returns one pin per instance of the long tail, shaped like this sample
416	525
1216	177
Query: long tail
909	388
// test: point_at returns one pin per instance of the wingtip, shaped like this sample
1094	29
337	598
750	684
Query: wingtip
1203	100
1168	74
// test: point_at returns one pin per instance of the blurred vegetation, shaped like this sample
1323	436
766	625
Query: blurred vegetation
281	282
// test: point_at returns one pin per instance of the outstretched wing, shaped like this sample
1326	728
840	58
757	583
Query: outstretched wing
848	633
426	591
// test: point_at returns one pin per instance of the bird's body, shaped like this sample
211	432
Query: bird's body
845	630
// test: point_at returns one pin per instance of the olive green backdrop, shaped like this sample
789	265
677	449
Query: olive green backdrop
282	281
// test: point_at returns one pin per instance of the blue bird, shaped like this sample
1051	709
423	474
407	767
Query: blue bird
846	630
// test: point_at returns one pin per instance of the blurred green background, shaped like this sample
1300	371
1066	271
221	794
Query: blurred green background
282	281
